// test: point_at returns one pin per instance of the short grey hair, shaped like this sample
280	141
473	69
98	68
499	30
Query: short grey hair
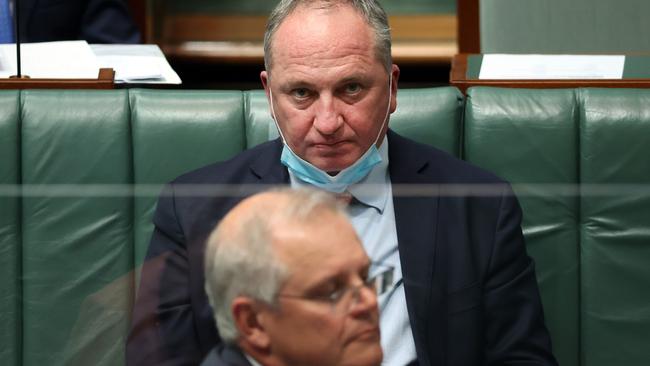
370	10
241	262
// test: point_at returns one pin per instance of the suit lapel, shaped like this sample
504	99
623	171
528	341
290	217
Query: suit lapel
415	198
267	166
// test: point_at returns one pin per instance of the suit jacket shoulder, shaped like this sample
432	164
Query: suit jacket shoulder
408	157
225	355
249	165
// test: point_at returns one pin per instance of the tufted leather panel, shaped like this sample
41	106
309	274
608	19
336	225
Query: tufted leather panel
10	289
529	137
77	226
615	240
174	132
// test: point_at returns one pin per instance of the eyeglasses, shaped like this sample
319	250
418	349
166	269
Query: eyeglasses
341	300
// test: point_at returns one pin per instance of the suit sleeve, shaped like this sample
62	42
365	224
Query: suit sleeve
162	330
515	329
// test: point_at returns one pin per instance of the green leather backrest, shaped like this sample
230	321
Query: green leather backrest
76	240
174	132
529	138
561	26
10	313
591	242
615	229
92	164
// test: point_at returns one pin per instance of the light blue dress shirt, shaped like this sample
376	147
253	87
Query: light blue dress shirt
373	218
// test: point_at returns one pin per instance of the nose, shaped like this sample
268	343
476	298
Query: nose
327	119
365	301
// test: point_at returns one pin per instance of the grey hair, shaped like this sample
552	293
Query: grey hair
370	10
241	262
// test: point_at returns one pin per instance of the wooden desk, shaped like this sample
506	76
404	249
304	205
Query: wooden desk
105	80
465	69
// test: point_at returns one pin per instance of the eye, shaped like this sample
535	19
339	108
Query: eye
336	294
331	291
300	93
352	88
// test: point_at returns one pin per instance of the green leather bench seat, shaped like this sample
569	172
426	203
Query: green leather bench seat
615	227
92	163
75	240
529	137
591	242
10	290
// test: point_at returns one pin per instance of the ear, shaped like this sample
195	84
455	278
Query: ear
393	86
264	77
246	313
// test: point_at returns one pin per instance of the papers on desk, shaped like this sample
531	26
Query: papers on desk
527	67
57	60
79	60
139	63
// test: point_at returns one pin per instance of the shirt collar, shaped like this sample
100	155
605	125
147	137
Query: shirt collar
251	360
373	190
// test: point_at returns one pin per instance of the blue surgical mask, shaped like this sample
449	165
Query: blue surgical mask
338	183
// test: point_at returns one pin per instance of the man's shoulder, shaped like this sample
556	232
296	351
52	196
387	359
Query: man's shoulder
225	355
439	165
234	169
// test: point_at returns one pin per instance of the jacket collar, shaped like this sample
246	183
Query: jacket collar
267	167
416	200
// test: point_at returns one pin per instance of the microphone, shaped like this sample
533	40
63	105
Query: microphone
17	35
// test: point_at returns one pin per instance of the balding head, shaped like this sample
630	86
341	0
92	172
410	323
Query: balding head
242	256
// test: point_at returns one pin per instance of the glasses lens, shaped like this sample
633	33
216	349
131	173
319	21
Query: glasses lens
380	281
381	276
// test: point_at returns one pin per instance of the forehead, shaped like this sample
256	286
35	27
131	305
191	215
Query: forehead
324	245
319	37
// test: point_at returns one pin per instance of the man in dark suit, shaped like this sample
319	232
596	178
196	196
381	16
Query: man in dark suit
96	21
281	291
464	290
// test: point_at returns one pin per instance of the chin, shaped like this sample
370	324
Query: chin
333	162
365	354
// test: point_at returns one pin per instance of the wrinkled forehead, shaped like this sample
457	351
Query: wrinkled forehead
312	30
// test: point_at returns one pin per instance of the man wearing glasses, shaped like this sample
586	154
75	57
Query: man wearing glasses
290	284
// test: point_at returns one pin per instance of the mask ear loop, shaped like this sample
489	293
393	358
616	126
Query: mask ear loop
390	97
284	141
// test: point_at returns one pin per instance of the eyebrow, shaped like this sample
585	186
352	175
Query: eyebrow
293	84
363	270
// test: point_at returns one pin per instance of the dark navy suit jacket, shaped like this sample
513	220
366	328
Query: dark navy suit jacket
96	21
471	291
225	355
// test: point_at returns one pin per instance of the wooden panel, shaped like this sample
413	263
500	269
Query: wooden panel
423	27
105	80
469	33
229	38
201	27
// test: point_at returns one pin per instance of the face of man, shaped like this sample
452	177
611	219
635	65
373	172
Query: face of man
322	256
330	91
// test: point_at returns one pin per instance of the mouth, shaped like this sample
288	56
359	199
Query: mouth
328	144
368	334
